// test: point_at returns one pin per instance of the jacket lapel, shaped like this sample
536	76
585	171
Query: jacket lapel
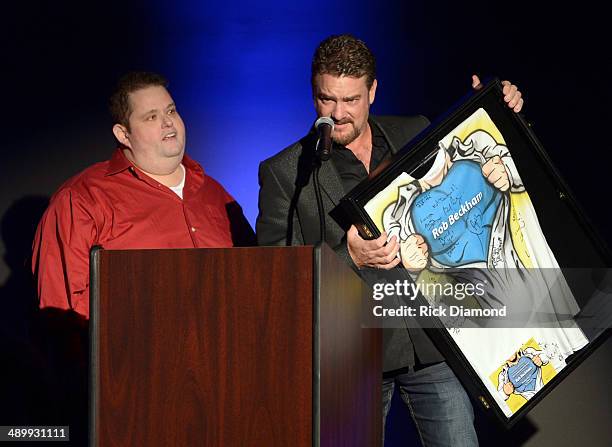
330	182
391	133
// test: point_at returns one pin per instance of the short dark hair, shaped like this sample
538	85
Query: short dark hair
119	104
344	55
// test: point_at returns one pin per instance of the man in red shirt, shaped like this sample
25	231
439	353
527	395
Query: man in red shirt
148	195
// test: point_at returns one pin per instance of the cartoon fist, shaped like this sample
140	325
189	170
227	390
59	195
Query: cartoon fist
495	172
508	388
537	360
414	253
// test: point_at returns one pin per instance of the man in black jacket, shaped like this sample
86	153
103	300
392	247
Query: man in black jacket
344	87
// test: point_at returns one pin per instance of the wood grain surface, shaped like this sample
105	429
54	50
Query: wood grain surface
225	347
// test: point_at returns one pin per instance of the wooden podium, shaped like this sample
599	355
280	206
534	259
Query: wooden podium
231	347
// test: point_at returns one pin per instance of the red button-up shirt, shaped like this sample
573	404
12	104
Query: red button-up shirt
115	205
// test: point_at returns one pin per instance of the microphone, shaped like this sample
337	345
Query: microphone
324	126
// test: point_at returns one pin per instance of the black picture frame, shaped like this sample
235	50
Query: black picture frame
558	213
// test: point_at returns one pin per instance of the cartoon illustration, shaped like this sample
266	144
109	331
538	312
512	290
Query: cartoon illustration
469	219
459	210
526	372
470	216
469	210
522	374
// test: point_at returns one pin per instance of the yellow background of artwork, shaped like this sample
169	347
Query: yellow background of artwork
479	120
548	372
519	201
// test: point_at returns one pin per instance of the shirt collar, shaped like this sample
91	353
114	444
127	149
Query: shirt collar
378	138
119	162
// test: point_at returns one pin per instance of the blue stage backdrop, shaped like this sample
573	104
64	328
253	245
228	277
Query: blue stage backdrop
241	77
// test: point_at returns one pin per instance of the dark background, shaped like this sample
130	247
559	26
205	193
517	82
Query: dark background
240	76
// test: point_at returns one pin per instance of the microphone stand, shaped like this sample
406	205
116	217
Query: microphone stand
317	188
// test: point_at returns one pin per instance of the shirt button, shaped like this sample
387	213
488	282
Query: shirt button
193	229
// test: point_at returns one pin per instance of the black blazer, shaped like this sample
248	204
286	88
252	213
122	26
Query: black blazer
288	215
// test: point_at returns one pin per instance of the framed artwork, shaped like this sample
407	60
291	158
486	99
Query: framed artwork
474	199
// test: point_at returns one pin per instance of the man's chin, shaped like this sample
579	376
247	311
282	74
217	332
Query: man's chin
345	139
172	152
174	145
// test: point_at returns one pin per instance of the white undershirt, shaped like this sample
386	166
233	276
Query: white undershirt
178	189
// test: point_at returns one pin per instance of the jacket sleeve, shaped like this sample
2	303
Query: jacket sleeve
239	227
60	259
274	220
275	215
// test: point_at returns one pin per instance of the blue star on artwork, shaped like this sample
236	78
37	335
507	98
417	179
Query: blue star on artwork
456	217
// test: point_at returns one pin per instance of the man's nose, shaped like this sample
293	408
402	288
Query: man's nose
167	121
338	111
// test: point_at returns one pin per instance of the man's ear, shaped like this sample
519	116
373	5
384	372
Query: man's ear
372	92
122	135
